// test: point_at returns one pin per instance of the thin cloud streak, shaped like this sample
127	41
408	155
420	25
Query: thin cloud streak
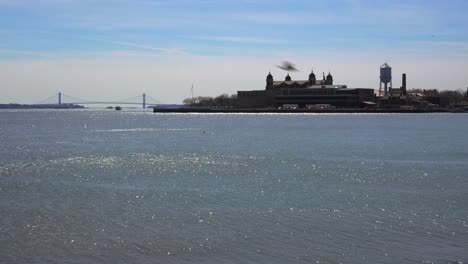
251	40
26	53
280	18
34	3
149	47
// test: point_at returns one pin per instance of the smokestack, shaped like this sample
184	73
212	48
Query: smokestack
403	83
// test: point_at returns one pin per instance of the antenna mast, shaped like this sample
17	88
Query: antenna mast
192	91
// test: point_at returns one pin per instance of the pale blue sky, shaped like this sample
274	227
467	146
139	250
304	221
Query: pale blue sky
98	49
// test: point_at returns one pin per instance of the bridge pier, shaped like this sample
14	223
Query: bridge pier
59	98
144	101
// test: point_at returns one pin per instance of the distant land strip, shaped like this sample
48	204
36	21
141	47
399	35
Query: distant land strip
40	106
210	110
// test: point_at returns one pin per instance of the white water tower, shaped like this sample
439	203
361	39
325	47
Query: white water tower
385	78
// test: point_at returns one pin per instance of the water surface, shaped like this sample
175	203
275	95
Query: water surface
86	186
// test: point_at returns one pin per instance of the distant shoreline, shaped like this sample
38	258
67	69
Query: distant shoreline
207	110
41	106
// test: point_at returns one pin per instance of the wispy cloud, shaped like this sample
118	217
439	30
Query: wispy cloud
10	52
249	40
149	47
351	12
457	49
289	18
31	3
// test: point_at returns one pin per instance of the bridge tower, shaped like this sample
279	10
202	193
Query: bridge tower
59	98
144	100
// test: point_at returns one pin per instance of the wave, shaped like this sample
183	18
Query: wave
146	129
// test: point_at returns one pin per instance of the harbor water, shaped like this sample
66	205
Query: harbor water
104	186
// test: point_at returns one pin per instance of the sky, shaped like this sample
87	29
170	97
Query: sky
102	50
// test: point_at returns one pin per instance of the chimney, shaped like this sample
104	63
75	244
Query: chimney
403	83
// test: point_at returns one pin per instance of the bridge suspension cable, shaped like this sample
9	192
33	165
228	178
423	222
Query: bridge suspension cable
76	100
154	100
52	99
128	99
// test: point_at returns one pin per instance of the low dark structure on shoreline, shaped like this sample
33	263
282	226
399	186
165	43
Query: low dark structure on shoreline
298	111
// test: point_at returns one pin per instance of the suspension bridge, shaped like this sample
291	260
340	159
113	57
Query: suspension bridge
60	98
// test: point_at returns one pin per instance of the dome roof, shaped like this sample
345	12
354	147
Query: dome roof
385	65
269	75
312	75
329	76
288	78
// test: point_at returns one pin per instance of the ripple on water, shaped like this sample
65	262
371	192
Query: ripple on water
131	187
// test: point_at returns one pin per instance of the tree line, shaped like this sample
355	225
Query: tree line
454	96
221	101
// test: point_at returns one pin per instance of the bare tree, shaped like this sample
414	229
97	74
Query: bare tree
455	97
222	101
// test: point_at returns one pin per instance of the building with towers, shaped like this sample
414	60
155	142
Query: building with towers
305	93
271	84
